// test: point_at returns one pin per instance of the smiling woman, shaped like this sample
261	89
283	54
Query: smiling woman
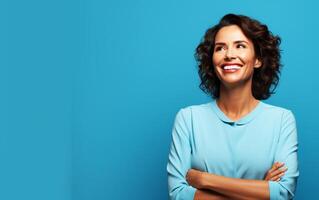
265	47
235	146
234	57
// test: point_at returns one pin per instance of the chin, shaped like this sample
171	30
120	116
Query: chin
233	82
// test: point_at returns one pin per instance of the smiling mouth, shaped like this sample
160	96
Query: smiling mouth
231	67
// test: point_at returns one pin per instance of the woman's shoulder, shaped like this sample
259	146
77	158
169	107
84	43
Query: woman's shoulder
276	111
274	108
191	114
195	111
196	107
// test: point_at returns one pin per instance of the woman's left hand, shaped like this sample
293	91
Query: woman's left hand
195	178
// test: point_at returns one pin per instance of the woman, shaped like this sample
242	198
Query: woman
236	146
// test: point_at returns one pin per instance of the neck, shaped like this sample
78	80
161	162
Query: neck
237	101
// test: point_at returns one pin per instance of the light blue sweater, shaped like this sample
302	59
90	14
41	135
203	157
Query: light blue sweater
204	138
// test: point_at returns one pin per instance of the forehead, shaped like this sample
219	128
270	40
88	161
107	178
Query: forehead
230	33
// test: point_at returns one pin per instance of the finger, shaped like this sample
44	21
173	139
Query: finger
269	172
278	171
279	164
275	166
278	176
272	172
272	169
278	179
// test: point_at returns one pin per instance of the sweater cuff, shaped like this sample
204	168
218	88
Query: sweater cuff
274	190
188	193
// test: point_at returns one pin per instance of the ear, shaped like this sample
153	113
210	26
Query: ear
258	63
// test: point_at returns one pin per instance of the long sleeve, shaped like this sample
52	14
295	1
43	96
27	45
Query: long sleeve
286	152
179	159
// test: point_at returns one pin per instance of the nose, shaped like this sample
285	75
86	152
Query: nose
229	54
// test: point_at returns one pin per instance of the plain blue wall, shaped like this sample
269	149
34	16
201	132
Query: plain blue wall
90	89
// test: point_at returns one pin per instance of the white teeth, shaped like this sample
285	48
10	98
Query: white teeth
231	67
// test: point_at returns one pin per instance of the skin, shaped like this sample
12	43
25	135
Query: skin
213	187
236	100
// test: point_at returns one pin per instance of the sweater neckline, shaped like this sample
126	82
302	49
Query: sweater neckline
243	120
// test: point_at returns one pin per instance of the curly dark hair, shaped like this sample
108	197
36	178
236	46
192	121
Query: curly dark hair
266	45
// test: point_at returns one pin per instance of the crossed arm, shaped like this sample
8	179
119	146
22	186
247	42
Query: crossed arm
201	185
226	187
211	186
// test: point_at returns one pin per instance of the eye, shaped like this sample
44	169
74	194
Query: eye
241	46
219	48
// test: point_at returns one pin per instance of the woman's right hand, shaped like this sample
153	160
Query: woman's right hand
276	172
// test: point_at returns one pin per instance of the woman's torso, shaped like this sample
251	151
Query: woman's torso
241	149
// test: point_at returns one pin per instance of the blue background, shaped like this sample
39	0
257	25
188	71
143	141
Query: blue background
90	89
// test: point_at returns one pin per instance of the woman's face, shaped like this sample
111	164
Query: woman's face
234	56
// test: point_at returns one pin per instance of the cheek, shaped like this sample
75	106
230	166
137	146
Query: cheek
247	57
216	59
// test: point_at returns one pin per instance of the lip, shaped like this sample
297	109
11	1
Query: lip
228	64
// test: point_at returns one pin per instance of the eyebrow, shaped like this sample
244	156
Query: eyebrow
236	42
